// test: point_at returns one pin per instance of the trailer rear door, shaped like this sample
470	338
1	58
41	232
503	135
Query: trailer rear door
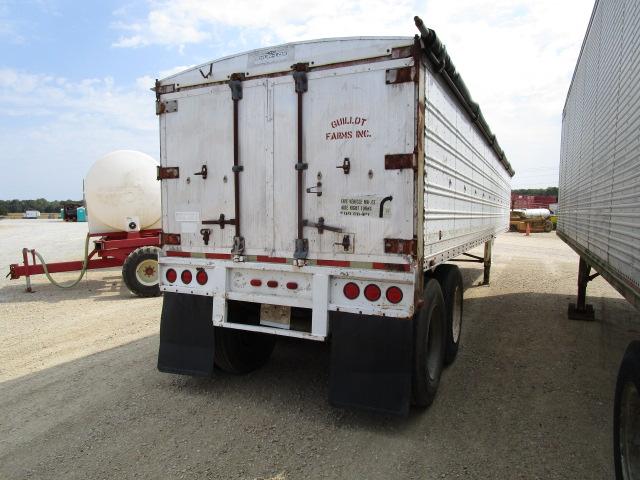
353	117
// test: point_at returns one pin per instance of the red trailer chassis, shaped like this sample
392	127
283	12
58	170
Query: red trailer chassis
110	250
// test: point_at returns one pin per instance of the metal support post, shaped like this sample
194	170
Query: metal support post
581	310
488	245
27	276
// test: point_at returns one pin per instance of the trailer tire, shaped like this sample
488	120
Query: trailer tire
429	345
140	272
241	351
450	280
626	415
548	226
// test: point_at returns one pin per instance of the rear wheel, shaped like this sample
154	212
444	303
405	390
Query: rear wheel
548	226
140	272
429	345
450	280
626	416
240	351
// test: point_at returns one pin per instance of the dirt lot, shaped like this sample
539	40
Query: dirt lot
529	396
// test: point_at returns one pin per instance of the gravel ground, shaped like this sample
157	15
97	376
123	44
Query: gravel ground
529	396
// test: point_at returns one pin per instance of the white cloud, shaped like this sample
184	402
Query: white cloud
517	56
52	130
182	22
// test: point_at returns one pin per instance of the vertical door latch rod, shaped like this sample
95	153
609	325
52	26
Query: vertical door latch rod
301	86
235	84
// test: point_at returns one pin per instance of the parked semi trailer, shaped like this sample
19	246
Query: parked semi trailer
599	198
315	190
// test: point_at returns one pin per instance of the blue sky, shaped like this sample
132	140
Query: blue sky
75	76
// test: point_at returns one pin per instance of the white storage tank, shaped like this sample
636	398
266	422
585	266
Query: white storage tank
537	213
122	193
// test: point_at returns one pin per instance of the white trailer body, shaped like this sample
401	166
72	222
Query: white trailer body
290	174
599	189
31	214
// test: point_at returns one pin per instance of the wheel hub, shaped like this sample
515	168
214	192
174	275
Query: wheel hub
147	272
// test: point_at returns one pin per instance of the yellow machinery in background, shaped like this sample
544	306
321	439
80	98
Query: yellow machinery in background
539	220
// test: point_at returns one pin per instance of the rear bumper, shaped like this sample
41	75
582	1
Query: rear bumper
318	288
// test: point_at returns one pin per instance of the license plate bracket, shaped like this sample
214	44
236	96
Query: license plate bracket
277	316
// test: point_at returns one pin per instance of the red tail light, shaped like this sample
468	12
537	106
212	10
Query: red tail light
394	294
372	292
171	275
351	291
255	282
292	285
186	277
272	284
202	277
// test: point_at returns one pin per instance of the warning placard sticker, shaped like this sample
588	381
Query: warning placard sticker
375	206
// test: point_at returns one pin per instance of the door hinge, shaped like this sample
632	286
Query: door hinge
401	75
162	89
170	238
400	245
167	106
165	173
400	161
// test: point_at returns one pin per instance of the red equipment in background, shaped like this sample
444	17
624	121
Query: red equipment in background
110	250
519	200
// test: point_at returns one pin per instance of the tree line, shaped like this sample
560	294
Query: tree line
552	191
40	204
46	206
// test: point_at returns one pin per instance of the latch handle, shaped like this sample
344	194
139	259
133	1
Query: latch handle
345	243
321	226
346	166
318	189
203	172
205	232
222	221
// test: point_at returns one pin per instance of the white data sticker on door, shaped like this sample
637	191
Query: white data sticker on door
187	216
374	206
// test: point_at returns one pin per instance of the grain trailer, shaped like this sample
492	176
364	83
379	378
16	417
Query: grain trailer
599	197
315	190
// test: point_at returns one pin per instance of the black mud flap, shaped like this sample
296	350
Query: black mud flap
186	335
371	361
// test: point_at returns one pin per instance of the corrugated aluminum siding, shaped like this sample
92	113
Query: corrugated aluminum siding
599	198
467	190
